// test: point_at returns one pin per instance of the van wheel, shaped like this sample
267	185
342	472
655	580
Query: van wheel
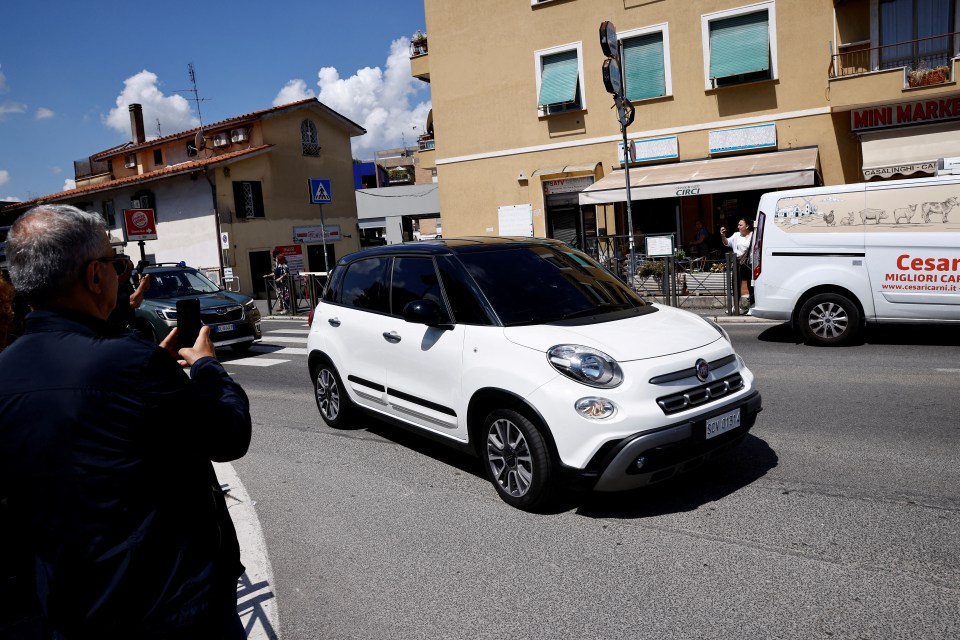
517	460
829	320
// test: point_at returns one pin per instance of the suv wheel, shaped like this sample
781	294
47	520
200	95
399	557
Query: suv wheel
516	459
147	332
332	400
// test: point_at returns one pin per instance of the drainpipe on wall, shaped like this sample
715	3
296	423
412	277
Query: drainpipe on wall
211	180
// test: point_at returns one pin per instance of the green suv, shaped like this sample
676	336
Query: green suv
233	317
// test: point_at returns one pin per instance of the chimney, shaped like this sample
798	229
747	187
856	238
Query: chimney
136	124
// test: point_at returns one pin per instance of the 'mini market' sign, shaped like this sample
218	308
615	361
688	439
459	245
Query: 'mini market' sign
897	115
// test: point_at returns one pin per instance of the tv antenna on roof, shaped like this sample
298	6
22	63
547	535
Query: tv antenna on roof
199	142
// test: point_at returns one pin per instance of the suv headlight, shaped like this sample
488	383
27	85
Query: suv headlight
250	305
167	314
583	364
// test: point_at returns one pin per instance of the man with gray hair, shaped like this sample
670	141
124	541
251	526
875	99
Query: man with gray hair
106	448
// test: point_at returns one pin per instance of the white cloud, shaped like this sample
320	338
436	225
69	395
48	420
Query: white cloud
294	91
4	177
56	170
11	199
44	114
11	107
378	100
69	184
172	111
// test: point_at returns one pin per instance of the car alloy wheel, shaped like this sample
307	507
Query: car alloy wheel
509	457
829	319
328	395
332	400
517	461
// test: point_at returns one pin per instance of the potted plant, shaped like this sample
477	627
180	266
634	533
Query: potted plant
419	43
924	75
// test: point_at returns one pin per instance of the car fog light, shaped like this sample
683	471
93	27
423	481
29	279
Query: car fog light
595	408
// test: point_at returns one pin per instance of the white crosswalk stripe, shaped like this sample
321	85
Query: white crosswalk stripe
263	353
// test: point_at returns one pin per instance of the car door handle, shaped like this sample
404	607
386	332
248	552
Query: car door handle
334	322
391	336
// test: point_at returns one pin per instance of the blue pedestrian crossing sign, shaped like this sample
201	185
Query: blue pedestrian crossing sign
320	191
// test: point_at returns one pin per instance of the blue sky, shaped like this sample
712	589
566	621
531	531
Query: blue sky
69	70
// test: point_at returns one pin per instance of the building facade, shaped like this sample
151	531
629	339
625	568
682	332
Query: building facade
731	99
229	194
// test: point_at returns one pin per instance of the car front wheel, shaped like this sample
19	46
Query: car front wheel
517	460
829	319
335	406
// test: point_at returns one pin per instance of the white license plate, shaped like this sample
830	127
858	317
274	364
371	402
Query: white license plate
223	328
722	424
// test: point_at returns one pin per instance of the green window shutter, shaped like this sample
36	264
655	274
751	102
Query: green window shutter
643	67
558	80
740	44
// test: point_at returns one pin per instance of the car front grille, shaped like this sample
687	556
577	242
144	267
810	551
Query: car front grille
216	315
704	393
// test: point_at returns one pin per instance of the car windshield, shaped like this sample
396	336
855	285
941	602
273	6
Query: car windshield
541	283
178	282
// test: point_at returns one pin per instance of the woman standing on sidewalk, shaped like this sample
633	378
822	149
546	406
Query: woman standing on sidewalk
280	273
740	243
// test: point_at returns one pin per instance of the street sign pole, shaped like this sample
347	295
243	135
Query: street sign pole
627	159
323	237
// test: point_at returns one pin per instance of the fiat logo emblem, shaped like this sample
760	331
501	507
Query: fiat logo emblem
703	370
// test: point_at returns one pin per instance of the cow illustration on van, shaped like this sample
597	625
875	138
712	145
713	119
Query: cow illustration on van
938	208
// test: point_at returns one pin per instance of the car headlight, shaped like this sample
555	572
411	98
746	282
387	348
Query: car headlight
167	314
719	329
583	364
250	305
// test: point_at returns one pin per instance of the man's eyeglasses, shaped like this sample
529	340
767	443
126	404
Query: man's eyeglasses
120	262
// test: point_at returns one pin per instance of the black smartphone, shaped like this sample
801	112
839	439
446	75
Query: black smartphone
188	322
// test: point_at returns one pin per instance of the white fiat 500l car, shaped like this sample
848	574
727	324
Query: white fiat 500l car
530	355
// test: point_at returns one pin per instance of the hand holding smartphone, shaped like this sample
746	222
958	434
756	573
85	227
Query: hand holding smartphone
188	322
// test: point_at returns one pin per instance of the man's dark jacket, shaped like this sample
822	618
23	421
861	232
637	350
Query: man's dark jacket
105	450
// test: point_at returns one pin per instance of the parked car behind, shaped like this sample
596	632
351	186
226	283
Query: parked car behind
233	317
530	355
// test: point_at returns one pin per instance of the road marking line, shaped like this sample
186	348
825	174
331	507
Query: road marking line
285	339
279	350
256	599
948	370
258	361
298	331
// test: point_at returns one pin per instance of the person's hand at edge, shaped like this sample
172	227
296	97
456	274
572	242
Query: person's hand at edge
185	357
137	296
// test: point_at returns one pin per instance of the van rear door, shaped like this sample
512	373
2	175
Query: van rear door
913	249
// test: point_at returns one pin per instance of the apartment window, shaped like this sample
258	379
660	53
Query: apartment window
309	139
248	199
191	149
157	156
109	213
559	79
646	63
740	45
906	21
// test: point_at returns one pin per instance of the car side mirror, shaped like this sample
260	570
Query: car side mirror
426	312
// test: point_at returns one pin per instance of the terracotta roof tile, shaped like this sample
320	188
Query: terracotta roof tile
177	169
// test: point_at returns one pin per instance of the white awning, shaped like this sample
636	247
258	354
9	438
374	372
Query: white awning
793	168
908	151
569	168
372	223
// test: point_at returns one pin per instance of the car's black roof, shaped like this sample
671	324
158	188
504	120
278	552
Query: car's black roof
441	246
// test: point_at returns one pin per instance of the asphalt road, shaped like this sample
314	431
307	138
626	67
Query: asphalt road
839	517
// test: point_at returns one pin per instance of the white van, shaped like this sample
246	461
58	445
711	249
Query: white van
829	259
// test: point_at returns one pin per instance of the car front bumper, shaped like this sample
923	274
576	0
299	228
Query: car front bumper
667	451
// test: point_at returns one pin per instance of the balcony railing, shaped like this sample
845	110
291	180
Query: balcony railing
925	53
426	143
418	45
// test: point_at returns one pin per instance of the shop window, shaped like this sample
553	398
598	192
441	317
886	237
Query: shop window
248	199
646	63
740	45
309	139
145	200
560	79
